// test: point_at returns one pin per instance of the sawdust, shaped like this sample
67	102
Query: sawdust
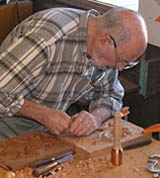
87	168
74	168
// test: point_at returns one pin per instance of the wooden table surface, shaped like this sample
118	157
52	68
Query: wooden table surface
134	163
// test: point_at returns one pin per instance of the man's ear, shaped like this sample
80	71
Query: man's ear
105	40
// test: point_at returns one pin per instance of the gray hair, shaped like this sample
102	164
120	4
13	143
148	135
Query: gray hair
114	24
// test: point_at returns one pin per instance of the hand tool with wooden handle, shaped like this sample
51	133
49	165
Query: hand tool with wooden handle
151	129
49	160
117	150
138	144
46	168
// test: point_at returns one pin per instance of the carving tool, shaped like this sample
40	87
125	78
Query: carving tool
153	128
138	144
46	161
47	167
117	150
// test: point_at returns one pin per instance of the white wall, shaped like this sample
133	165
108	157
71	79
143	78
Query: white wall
130	4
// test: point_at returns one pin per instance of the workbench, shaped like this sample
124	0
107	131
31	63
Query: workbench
134	163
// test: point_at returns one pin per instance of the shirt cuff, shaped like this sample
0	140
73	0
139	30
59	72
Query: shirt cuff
13	107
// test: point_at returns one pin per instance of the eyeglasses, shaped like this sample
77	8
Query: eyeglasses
128	64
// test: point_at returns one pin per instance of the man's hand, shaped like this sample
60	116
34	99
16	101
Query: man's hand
84	123
56	121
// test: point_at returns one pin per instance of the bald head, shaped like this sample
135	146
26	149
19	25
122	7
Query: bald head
129	30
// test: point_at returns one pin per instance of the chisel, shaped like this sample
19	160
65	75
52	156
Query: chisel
46	161
137	144
47	167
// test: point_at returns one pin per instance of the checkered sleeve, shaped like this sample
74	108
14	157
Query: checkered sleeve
108	94
20	63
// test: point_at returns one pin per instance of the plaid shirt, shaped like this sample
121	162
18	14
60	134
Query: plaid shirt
44	60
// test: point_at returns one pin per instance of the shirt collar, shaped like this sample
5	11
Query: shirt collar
83	28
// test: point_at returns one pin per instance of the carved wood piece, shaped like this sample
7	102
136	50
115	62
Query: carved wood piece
101	141
19	152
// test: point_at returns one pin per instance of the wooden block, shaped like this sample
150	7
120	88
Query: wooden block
101	142
19	152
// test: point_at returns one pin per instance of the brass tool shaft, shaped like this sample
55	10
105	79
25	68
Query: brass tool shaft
117	150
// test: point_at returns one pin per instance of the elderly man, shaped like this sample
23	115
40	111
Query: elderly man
58	56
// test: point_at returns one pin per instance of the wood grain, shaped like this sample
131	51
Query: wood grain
19	152
101	141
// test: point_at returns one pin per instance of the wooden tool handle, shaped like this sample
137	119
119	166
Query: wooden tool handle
43	169
117	130
153	128
117	151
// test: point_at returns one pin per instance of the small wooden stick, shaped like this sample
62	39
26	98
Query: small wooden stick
117	150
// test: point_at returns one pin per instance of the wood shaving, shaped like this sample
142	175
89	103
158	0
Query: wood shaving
73	168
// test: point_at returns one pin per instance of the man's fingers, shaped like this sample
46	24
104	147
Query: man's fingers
65	121
75	125
81	127
66	116
59	127
55	131
77	119
78	129
65	124
83	124
82	132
